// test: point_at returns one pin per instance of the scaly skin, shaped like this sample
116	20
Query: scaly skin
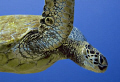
14	57
16	60
29	46
84	54
14	27
56	25
15	63
54	28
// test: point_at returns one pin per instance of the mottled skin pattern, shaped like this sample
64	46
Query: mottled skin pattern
30	43
16	59
57	23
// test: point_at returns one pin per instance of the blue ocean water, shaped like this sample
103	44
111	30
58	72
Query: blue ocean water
99	21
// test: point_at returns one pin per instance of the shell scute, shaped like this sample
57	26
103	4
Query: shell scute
14	27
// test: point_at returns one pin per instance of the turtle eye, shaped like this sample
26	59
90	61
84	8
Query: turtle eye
100	59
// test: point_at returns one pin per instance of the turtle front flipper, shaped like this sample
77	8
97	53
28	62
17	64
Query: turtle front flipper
56	24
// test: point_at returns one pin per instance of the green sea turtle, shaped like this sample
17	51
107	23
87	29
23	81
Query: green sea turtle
31	43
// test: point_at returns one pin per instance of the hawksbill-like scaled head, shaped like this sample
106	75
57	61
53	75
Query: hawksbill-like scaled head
92	59
85	54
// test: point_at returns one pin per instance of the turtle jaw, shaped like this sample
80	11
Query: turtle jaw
93	60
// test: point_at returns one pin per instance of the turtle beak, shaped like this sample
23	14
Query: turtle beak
102	63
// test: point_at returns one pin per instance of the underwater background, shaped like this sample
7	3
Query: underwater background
99	21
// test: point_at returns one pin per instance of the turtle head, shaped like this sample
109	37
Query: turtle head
92	59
